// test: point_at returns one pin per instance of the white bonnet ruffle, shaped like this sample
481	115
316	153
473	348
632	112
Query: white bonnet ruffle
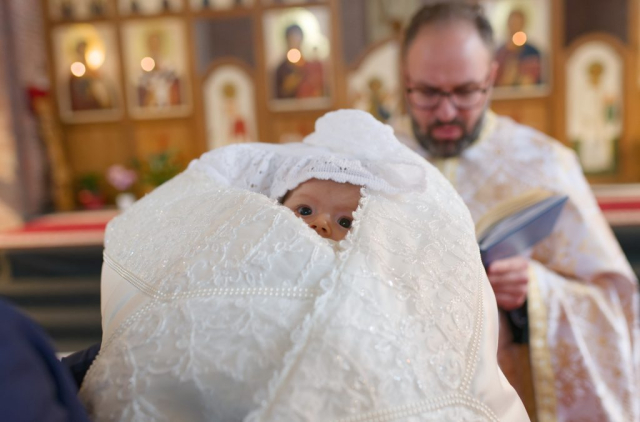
347	146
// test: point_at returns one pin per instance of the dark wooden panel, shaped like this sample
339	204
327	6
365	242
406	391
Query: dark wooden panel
353	29
217	39
584	16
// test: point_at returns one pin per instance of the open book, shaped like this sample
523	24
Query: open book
518	223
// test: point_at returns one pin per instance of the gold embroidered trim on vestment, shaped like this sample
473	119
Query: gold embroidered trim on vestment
542	371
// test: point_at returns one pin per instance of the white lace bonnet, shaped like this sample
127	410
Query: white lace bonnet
347	146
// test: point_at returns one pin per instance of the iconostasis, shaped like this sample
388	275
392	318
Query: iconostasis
134	78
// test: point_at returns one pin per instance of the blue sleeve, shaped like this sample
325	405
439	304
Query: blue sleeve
34	386
80	362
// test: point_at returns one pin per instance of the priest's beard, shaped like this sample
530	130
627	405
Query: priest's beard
446	149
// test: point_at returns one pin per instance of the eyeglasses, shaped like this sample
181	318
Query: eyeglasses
430	98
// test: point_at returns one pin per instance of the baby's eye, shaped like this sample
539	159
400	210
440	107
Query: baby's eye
304	210
345	222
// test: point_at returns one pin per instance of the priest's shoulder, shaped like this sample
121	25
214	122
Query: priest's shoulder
528	137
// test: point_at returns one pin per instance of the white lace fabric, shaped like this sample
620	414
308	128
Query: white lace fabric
236	310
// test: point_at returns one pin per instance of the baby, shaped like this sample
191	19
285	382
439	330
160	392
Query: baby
326	206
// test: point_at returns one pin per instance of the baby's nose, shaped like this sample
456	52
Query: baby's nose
321	225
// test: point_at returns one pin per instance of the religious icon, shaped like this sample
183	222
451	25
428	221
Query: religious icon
374	84
220	4
297	46
295	76
387	18
78	9
66	9
158	85
377	99
149	7
156	68
236	123
518	60
288	1
86	67
522	37
89	91
97	8
229	106
594	105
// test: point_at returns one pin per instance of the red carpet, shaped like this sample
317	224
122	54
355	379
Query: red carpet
81	228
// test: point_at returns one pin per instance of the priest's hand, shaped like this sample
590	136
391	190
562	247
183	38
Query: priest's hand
509	278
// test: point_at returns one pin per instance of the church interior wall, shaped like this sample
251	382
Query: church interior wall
60	141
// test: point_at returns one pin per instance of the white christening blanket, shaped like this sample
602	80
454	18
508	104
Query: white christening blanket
219	304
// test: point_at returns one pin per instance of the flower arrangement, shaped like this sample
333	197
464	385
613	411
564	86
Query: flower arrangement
159	167
122	179
143	177
90	194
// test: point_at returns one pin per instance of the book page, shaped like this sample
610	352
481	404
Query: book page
509	207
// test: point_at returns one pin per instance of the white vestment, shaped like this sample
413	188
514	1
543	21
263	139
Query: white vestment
219	304
583	296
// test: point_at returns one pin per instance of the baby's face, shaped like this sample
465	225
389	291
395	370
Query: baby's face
326	206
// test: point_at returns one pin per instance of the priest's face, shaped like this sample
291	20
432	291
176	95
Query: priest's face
449	72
